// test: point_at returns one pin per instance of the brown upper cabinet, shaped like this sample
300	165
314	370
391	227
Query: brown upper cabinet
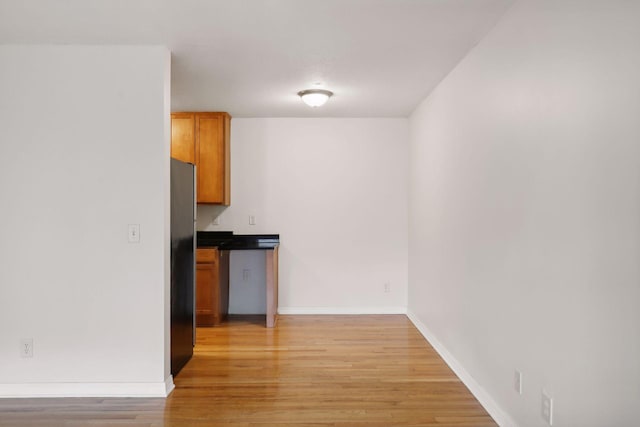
203	139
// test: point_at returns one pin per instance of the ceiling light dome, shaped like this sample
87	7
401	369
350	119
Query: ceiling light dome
315	97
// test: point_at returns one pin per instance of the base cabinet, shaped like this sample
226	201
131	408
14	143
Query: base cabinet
212	286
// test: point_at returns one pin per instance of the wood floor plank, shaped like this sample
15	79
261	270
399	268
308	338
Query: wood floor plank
315	371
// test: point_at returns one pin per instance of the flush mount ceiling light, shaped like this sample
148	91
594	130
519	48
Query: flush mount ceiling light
315	97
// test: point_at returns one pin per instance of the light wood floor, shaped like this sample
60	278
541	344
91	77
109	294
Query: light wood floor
339	371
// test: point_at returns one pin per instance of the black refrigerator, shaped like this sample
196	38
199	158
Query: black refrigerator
183	214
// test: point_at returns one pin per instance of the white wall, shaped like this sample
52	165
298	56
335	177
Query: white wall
84	152
336	192
525	212
247	291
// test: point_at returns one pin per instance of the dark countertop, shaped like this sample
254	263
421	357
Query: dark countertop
226	240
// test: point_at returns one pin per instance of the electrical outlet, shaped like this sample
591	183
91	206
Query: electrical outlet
252	220
547	408
245	275
26	347
387	287
216	221
134	233
517	381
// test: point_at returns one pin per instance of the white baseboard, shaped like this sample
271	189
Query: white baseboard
342	310
169	386
32	390
501	417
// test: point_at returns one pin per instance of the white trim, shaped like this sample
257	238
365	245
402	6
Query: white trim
342	310
169	386
31	390
500	416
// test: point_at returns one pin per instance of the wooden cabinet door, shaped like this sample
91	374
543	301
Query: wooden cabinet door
204	140
183	137
207	294
212	157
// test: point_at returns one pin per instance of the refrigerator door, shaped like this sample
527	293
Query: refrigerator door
182	264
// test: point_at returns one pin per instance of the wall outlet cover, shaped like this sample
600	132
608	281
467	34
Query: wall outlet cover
517	381
547	408
26	347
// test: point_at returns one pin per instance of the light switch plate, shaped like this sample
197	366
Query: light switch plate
134	233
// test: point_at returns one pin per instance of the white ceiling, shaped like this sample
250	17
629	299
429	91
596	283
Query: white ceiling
251	57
